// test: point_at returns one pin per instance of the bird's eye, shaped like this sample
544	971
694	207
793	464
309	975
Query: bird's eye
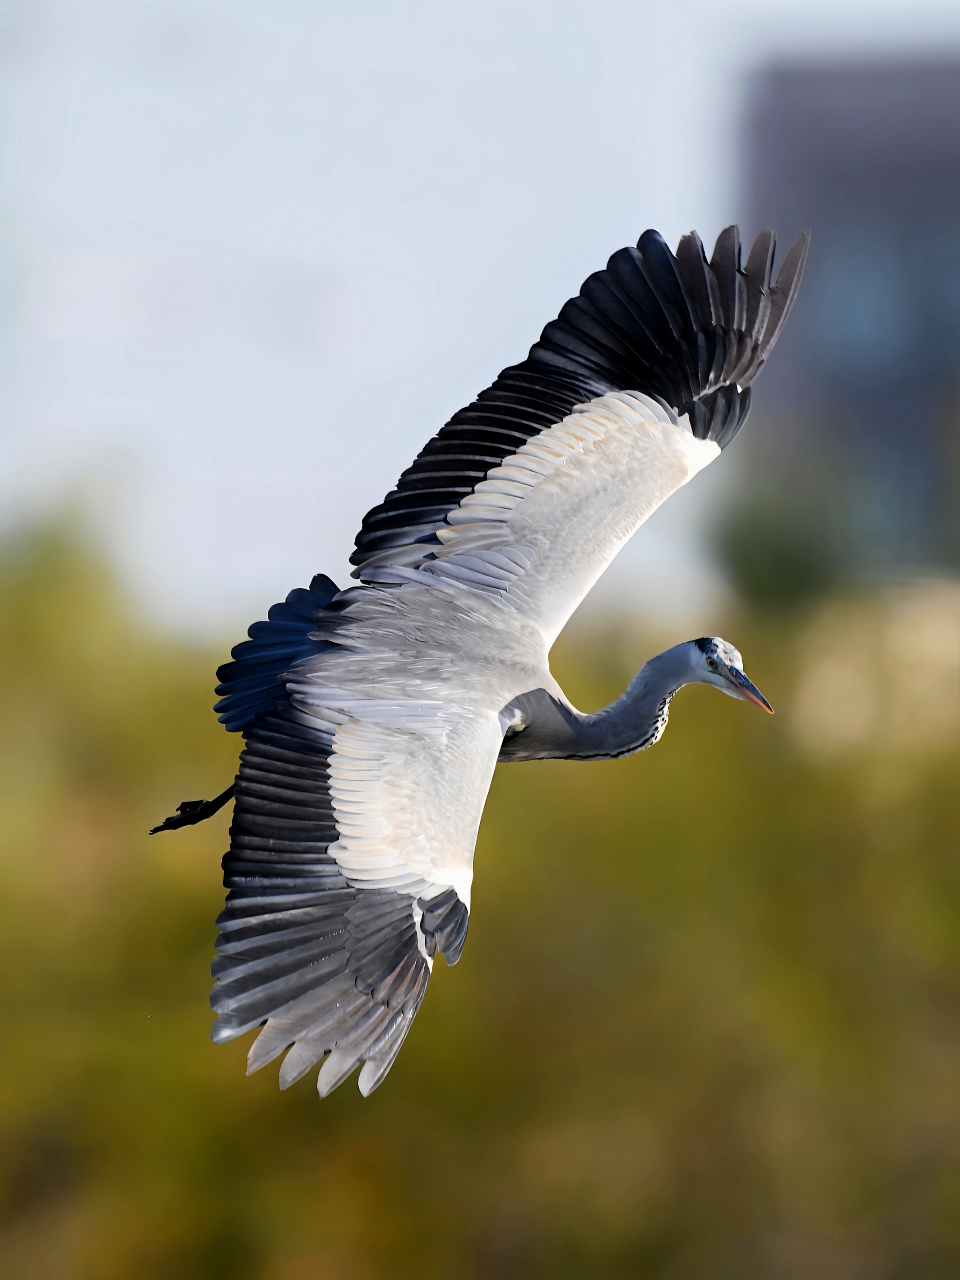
712	664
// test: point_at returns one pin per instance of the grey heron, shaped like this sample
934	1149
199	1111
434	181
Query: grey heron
374	716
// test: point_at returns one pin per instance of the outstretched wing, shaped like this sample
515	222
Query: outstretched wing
637	385
357	806
350	864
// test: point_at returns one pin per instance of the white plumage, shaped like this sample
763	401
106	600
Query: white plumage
367	766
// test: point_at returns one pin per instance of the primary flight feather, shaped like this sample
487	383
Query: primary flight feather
374	716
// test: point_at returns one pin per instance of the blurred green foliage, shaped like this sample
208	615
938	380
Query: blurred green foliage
707	1022
777	561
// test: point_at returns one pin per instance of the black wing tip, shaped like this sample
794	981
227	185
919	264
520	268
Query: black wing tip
791	270
692	331
753	308
651	241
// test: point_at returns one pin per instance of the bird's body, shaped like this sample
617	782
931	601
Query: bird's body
367	766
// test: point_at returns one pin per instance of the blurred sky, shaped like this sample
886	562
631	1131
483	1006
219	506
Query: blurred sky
252	255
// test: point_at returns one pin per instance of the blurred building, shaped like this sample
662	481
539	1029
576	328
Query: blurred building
865	383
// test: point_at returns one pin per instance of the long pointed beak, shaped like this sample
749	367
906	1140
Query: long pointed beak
747	689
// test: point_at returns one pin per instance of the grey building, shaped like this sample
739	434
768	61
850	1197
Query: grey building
866	380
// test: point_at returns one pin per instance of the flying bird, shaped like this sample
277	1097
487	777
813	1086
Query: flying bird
374	716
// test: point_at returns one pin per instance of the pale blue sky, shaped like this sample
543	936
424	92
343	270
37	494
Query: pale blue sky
252	255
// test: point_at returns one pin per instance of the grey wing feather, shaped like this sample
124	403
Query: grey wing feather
324	967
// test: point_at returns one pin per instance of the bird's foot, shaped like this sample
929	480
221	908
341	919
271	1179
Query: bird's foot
193	811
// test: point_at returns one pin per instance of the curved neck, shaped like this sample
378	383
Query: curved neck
555	730
639	716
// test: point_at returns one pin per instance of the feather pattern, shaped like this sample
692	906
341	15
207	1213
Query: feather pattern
373	717
251	682
328	962
689	333
539	531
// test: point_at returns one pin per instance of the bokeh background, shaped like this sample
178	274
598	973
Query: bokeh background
707	1024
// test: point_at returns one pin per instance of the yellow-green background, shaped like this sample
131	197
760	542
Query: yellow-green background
706	1025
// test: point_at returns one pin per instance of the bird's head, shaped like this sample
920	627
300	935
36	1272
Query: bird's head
718	663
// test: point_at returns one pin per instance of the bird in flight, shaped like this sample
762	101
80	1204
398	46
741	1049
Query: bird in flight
373	717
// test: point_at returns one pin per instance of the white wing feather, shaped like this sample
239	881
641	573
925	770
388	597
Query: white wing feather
408	782
542	527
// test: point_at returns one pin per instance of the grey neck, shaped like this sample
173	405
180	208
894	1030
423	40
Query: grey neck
552	729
